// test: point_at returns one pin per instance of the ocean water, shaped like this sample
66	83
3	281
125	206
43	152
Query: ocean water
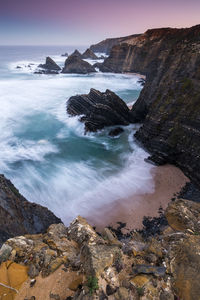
45	152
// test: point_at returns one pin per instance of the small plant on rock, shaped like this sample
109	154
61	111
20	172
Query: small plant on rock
92	284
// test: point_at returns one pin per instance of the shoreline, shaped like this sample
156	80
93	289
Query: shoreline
168	181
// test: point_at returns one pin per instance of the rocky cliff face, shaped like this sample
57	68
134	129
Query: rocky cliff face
169	104
18	216
106	45
79	263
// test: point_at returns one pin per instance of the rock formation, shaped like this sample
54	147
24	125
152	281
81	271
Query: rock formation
50	67
75	64
89	54
18	216
76	53
106	45
65	54
169	102
79	263
98	110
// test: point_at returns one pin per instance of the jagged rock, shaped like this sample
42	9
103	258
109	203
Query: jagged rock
74	64
18	216
50	67
80	231
89	54
99	109
185	264
96	258
184	215
76	53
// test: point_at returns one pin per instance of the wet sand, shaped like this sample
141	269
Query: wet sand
168	181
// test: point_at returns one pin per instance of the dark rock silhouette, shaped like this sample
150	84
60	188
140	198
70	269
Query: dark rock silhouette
99	109
74	64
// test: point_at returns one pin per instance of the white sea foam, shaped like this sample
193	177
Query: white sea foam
46	154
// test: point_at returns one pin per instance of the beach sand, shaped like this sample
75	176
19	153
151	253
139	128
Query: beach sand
168	181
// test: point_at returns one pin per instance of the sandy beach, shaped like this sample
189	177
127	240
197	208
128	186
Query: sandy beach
168	181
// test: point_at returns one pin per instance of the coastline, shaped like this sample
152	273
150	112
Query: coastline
168	181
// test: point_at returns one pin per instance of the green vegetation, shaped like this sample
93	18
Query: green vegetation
92	284
140	291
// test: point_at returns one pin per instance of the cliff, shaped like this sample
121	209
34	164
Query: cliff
18	216
106	45
79	263
169	104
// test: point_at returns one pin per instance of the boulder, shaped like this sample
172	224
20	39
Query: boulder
74	64
185	265
50	67
184	215
99	110
89	54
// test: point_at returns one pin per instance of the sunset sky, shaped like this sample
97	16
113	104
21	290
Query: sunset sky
82	22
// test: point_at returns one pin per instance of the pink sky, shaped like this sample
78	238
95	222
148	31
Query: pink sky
87	21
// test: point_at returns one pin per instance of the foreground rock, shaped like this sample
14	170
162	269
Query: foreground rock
79	263
89	54
18	216
50	67
99	110
74	64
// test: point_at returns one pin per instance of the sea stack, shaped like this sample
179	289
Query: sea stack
75	64
99	110
89	54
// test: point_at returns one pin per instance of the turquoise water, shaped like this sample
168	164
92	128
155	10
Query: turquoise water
45	152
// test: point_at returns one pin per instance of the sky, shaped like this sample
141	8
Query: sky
84	22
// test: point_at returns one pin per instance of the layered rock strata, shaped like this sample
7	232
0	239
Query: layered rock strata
169	102
98	110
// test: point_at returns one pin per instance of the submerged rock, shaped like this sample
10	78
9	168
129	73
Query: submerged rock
74	64
65	54
89	54
116	131
99	109
18	216
50	67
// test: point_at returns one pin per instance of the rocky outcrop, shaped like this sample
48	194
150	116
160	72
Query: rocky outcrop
89	54
18	216
98	110
99	266
76	53
106	45
75	64
50	67
169	102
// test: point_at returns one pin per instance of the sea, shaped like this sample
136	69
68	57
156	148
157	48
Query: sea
45	152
